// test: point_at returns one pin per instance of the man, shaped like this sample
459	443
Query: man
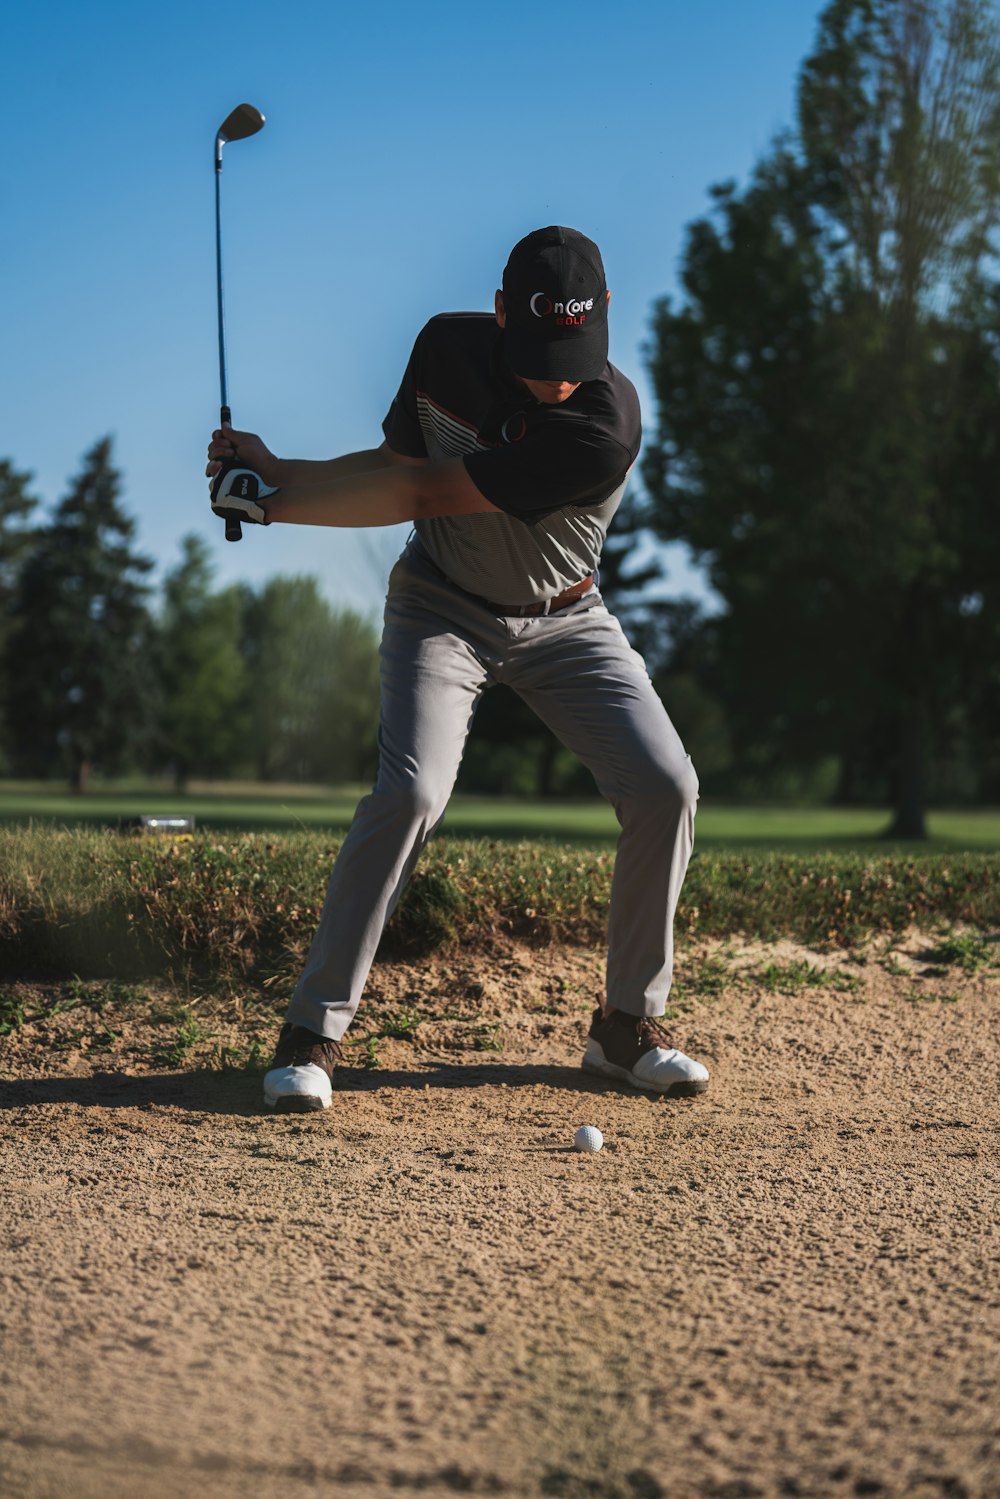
508	446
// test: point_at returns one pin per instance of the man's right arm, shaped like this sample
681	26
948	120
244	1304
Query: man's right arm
247	449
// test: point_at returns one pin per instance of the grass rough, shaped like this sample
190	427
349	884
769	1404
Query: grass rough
101	904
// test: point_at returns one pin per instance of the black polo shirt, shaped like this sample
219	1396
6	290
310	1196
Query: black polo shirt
557	472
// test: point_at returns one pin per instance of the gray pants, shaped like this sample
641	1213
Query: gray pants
441	649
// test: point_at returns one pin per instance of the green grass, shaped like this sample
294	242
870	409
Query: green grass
257	808
791	978
231	906
188	1034
969	951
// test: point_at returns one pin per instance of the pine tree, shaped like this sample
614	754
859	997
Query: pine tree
81	684
16	506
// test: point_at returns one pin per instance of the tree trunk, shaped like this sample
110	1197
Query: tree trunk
81	777
909	820
846	792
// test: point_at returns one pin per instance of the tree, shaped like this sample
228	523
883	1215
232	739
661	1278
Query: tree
203	675
828	396
346	748
79	679
16	506
313	685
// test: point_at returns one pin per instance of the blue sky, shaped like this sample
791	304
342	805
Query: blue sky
406	148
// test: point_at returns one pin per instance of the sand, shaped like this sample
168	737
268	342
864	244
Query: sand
787	1286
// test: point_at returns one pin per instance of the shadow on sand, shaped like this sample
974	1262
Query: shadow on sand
234	1093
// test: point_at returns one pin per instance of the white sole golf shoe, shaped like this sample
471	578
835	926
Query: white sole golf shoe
297	1088
299	1078
634	1049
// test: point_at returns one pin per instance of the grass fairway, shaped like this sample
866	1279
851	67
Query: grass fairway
255	808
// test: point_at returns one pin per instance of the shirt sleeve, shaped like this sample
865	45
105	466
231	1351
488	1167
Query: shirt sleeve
402	424
560	463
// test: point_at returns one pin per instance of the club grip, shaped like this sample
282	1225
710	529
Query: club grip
234	531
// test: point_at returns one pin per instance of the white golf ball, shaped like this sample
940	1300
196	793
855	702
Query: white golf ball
588	1137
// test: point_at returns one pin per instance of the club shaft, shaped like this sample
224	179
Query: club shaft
224	393
234	531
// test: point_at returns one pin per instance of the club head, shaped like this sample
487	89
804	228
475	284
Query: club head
245	120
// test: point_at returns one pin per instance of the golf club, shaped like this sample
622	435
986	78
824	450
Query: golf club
243	121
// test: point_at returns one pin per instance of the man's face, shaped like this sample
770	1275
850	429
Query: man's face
549	392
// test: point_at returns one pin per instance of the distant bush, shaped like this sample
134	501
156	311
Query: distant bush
83	902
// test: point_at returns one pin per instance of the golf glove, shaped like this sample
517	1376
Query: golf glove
235	494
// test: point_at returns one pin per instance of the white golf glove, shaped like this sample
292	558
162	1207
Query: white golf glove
236	493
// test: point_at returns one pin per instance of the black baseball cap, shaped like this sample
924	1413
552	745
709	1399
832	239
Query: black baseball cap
556	305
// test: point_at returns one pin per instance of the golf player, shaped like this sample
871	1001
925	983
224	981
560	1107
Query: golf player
508	447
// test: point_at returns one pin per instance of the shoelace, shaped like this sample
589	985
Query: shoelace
654	1034
305	1048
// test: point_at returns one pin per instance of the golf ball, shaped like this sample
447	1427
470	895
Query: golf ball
588	1137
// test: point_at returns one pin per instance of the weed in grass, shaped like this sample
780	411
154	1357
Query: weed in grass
189	1035
400	1025
894	967
790	978
98	995
969	951
487	1037
370	1061
258	1055
12	1015
254	1057
62	1004
77	992
846	983
103	1038
710	978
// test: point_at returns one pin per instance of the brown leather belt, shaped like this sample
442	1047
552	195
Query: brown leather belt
547	606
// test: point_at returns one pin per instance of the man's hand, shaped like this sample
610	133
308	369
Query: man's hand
235	493
244	449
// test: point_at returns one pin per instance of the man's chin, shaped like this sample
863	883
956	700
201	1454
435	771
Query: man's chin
551	394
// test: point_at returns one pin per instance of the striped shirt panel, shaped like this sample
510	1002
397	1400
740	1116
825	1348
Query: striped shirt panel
444	432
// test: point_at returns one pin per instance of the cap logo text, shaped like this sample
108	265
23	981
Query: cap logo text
565	313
